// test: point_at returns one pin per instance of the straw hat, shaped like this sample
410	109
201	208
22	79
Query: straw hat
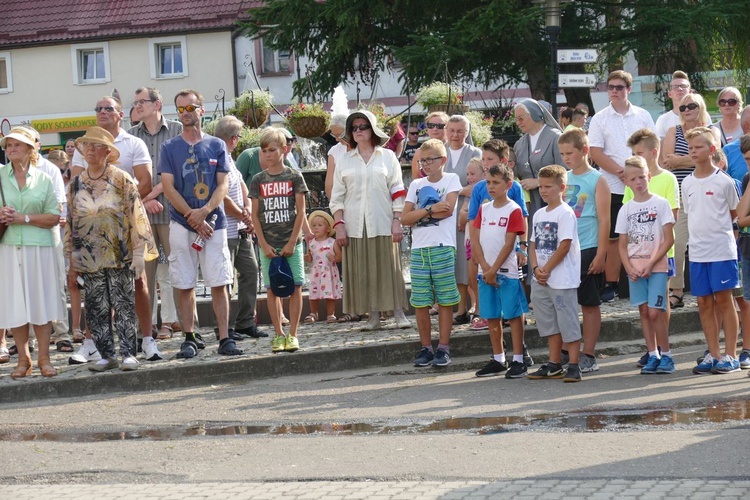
97	135
367	115
326	216
20	134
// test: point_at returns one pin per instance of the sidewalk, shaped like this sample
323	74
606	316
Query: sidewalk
323	348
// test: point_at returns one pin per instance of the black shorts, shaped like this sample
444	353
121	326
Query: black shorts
614	209
588	291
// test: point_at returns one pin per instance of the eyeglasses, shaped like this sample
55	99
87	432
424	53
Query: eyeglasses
618	88
427	161
439	126
189	108
361	127
98	147
691	106
142	101
108	109
679	87
728	102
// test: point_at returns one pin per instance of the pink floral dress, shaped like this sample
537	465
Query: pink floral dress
325	282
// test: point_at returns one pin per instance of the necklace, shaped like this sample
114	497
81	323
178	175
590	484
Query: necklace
23	169
100	175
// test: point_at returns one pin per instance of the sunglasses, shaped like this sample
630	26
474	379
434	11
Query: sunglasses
690	106
439	126
413	133
428	161
618	88
361	127
189	108
141	101
728	102
108	109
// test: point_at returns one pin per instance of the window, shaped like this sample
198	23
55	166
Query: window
90	63
274	62
6	75
168	57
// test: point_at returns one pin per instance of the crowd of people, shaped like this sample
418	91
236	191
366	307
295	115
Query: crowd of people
120	217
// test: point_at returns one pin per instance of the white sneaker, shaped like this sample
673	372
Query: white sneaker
129	364
150	351
87	352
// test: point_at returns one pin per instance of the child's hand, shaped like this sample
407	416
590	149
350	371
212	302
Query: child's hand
541	276
597	265
269	251
331	257
288	249
522	257
490	279
308	257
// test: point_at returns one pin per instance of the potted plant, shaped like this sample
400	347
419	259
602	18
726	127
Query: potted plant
439	96
249	137
307	120
481	127
504	126
253	107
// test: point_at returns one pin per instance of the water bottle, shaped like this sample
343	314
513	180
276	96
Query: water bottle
198	243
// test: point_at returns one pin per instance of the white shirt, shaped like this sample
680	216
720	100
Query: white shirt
610	131
234	178
51	169
368	193
434	232
643	222
494	224
337	152
665	122
133	151
549	229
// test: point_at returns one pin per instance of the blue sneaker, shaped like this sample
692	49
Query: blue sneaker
610	293
424	357
651	365
745	360
442	358
727	364
705	366
666	365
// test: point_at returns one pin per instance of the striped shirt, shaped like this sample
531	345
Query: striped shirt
167	130
234	177
681	149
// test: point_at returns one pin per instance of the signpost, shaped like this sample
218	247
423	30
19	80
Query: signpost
585	56
573	80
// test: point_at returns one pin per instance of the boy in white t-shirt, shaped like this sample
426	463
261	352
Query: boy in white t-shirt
501	294
646	235
710	199
555	259
430	209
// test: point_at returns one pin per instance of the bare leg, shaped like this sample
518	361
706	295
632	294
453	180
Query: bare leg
709	324
496	336
330	308
220	303
445	323
463	291
725	303
659	328
516	334
573	349
295	310
185	307
613	263
424	326
648	333
143	305
274	309
555	349
592	325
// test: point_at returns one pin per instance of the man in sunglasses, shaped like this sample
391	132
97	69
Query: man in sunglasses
679	87
609	132
412	144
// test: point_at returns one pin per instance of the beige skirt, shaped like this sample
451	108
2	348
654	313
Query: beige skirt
372	275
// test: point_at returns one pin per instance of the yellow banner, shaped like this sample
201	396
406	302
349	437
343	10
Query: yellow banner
63	124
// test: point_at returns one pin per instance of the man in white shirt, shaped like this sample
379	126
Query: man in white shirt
679	87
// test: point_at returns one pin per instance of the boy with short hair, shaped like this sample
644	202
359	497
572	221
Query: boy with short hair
645	228
499	222
429	207
710	199
278	199
588	195
555	259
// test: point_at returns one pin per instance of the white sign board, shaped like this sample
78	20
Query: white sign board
566	56
571	80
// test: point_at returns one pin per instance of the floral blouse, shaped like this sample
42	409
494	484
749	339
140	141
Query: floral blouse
106	222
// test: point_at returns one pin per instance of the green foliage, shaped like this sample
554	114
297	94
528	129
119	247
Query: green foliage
438	93
481	127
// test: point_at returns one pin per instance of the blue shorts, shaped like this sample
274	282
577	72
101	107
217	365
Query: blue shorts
296	262
506	301
707	278
433	277
651	290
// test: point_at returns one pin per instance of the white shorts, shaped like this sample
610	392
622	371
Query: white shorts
215	262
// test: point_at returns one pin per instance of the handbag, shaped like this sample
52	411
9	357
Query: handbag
3	225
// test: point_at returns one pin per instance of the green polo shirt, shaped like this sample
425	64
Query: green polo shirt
37	197
248	163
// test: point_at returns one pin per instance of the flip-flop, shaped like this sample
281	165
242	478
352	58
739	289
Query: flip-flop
78	336
64	346
227	347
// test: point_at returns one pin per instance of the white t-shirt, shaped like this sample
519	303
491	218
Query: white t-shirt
551	227
644	223
434	232
494	223
133	151
337	151
707	201
665	122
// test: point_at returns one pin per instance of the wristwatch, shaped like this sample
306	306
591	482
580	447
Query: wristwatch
26	219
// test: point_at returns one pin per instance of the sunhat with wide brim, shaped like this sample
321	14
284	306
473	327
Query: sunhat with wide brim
20	134
97	135
326	216
367	115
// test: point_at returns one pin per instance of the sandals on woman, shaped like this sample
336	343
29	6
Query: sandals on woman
675	301
78	336
64	346
4	355
165	332
46	368
311	318
22	370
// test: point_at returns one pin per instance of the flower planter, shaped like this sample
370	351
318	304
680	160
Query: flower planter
254	117
308	126
453	109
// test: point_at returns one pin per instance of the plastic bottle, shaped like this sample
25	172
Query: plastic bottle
198	243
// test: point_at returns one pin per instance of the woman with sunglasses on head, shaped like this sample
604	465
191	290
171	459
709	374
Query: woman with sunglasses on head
730	105
435	123
674	157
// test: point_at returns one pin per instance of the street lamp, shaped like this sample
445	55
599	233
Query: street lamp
552	27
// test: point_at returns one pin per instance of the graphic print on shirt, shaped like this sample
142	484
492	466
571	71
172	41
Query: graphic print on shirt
575	201
430	221
641	228
196	174
545	237
278	201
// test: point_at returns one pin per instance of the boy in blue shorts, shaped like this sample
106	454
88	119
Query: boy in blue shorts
501	295
710	200
429	208
278	199
646	235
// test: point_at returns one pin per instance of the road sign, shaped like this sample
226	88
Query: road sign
570	80
566	56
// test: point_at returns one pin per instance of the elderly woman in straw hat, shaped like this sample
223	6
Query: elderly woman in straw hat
27	252
366	202
108	240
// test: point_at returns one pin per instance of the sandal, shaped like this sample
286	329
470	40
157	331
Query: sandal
331	319
22	370
78	336
176	326
165	332
677	303
461	319
4	355
64	346
13	350
310	318
479	324
46	368
188	350
199	342
227	347
346	318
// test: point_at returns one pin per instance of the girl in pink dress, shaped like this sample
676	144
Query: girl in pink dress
324	253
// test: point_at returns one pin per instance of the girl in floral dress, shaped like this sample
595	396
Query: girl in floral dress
324	253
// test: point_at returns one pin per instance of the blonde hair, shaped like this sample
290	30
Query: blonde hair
704	132
58	155
732	90
645	136
437	114
435	145
636	162
556	172
697	99
270	135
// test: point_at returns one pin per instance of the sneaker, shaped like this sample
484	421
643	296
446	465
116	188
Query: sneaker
572	374
87	352
516	370
701	358
644	359
424	357
527	359
705	366
548	370
442	358
252	331
587	365
610	292
727	364
150	351
291	344
666	365
129	363
103	365
278	343
564	359
651	365
745	360
494	367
